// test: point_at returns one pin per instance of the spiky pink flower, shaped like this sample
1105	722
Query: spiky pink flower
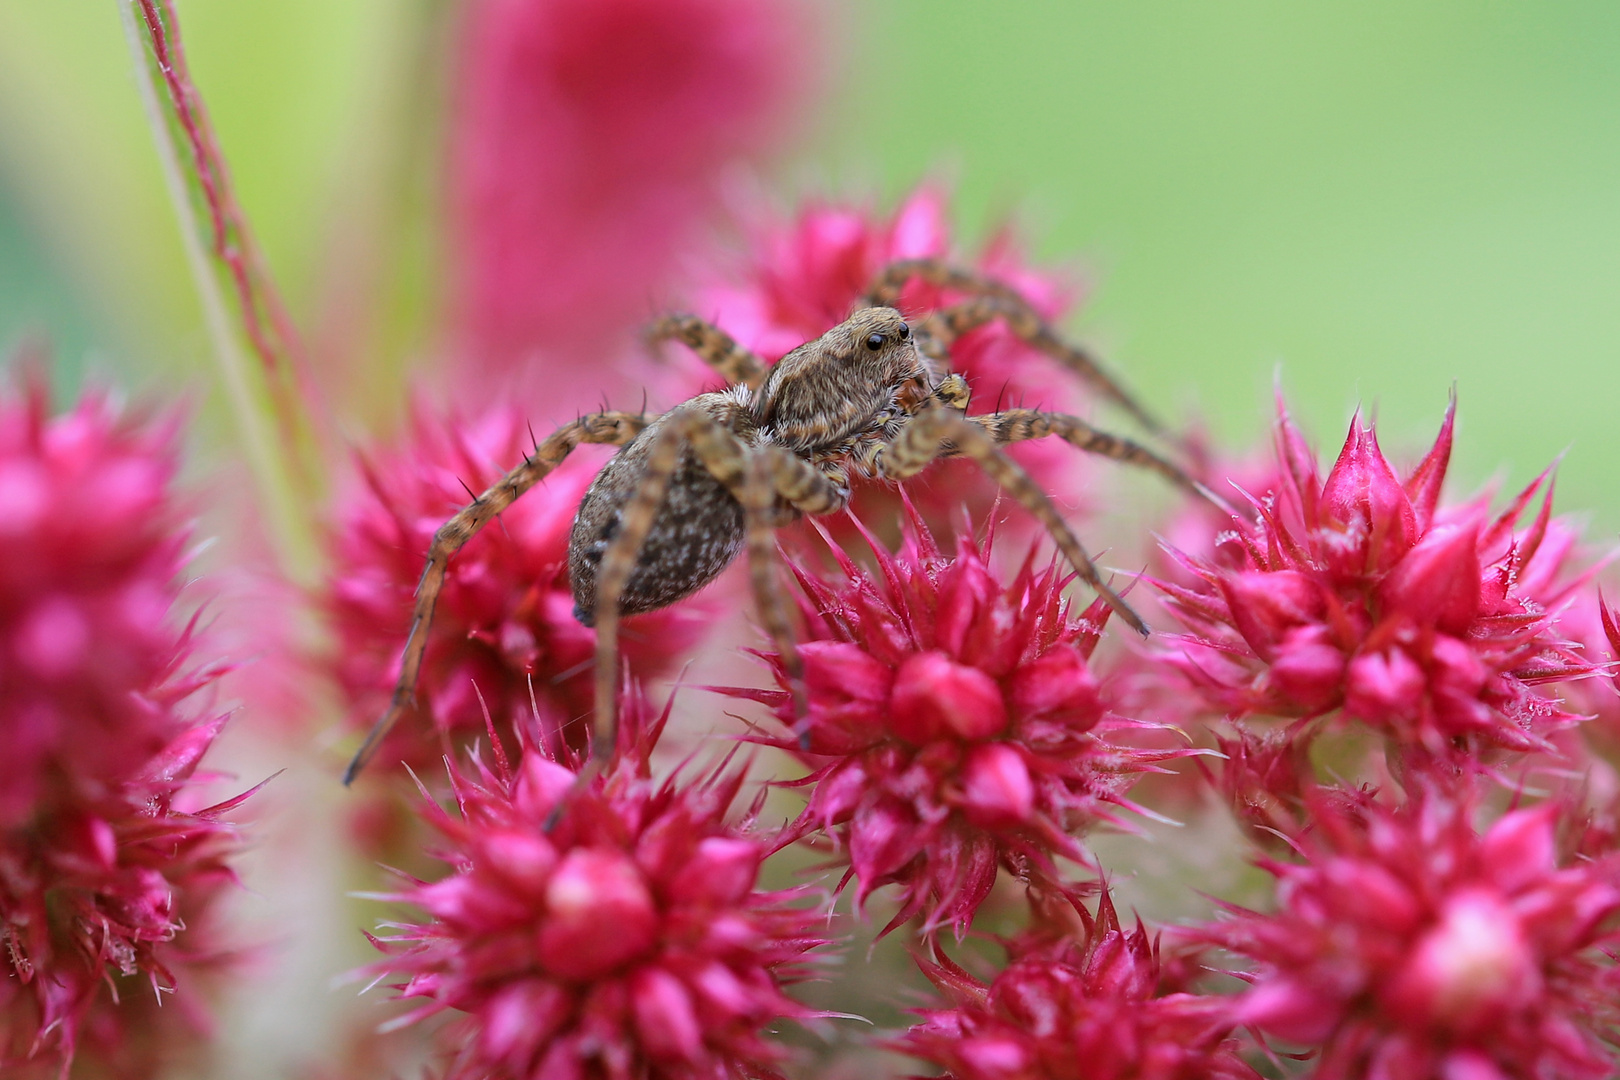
103	857
94	544
953	724
1406	945
628	941
588	138
504	634
1358	592
106	905
1077	1002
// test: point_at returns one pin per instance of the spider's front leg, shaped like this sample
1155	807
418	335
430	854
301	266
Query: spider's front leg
1021	425
714	347
942	432
614	428
992	300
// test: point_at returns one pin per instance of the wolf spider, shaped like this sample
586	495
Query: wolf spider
691	488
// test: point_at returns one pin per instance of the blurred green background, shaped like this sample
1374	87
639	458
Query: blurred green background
1377	199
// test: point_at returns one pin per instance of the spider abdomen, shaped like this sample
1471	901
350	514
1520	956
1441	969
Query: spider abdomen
696	533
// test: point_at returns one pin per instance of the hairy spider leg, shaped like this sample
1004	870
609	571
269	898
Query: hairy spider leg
1021	425
942	432
614	428
713	345
992	300
757	476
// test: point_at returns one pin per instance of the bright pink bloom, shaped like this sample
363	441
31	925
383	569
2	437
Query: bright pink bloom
504	634
1090	1002
1357	592
627	941
953	724
1407	946
106	902
588	138
102	863
94	546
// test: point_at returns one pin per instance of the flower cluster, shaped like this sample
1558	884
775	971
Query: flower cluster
1406	945
953	725
1358	591
604	927
108	869
1080	996
504	636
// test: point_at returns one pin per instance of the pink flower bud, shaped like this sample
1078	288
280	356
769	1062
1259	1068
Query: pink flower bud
1308	670
994	1058
721	872
523	858
1520	848
598	914
849	693
996	788
1266	606
520	1018
1058	688
542	783
1438	582
1362	495
665	1018
1470	967
1290	1009
1384	685
934	696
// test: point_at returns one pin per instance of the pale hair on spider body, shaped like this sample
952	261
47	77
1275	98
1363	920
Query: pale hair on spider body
689	490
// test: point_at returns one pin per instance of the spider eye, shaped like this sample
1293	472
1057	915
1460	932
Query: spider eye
875	342
905	331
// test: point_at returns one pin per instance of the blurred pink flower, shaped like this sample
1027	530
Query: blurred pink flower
953	724
627	941
1407	946
588	137
1090	1001
105	903
1358	592
104	860
95	544
504	634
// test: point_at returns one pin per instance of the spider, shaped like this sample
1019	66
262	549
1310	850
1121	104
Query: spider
690	489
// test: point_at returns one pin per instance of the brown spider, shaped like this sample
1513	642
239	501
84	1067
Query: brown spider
873	395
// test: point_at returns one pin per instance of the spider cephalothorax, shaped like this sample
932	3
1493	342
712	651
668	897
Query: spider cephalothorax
690	489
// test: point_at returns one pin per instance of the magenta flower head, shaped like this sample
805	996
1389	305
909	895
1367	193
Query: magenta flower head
954	725
1406	946
627	941
105	858
504	634
588	140
1079	1001
1358	592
